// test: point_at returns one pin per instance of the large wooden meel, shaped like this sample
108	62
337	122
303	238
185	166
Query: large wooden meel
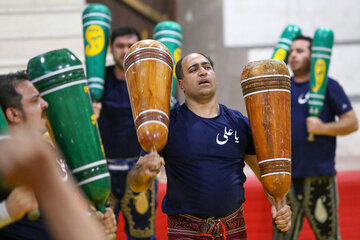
266	90
59	77
148	71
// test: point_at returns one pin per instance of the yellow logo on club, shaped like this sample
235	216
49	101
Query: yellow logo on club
86	89
280	54
96	40
93	119
177	56
319	72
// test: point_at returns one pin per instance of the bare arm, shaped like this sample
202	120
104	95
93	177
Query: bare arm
282	216
346	124
251	160
142	175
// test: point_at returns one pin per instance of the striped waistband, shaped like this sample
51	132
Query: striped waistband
223	219
190	225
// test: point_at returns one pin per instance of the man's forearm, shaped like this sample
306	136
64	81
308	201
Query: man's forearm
137	179
347	124
70	221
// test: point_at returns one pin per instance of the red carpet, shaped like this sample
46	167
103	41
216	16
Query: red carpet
258	217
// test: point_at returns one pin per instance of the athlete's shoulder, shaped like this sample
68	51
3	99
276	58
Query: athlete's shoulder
175	111
231	112
234	116
333	83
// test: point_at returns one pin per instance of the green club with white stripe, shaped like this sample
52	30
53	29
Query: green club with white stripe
282	48
320	61
169	33
59	77
96	28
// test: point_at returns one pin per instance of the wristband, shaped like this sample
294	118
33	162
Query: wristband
5	218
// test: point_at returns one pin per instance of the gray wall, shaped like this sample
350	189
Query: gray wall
202	23
203	30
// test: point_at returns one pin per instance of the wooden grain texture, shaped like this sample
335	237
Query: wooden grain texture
266	89
148	70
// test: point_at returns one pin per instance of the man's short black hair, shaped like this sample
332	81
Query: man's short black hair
9	97
122	31
306	38
179	70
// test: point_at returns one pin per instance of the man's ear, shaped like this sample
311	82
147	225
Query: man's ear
181	84
13	115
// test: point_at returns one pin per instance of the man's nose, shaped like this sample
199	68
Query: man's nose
291	55
44	103
202	71
126	50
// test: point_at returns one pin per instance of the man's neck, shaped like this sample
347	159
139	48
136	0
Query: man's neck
23	127
119	73
208	109
302	78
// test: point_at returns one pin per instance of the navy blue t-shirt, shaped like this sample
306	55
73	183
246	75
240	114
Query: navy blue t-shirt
204	162
25	229
116	122
312	159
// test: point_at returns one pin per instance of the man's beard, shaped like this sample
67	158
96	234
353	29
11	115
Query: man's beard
119	64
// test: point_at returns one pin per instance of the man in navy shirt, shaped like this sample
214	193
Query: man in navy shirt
313	191
207	147
122	149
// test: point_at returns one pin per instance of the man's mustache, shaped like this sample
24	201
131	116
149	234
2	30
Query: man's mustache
44	112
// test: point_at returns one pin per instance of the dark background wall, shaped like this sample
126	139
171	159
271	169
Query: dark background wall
141	14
